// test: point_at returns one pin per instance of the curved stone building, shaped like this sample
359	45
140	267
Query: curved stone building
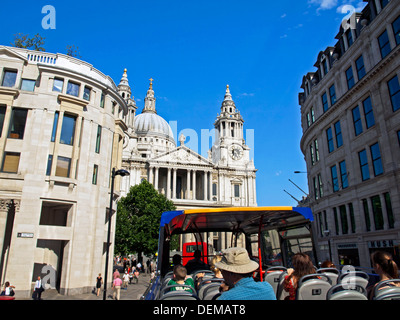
350	112
62	125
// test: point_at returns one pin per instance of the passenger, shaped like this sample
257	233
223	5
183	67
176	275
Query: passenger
327	264
196	263
213	268
302	265
237	269
176	259
180	277
385	267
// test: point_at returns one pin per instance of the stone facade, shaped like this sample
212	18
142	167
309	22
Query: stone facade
62	126
351	138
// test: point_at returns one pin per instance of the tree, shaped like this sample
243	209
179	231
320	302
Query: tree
34	43
72	51
138	219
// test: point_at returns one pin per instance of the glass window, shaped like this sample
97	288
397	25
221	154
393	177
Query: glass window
308	120
10	162
384	44
368	112
63	167
17	125
384	3
28	85
360	67
312	154
55	123
394	90
320	186
349	36
102	98
9	78
358	129
376	159
377	211
362	156
338	132
366	214
329	137
86	93
312	115
98	139
325	66
95	172
68	129
389	209
350	78
343	174
58	85
73	89
343	219
325	105
396	29
315	188
237	191
3	110
49	164
332	94
335	180
316	150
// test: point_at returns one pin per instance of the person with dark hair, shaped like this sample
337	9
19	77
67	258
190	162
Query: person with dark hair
180	277
302	265
196	263
327	264
385	267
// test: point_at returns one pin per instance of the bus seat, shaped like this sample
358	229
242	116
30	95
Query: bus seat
206	284
313	287
281	294
352	278
332	273
272	276
211	292
165	294
344	292
387	290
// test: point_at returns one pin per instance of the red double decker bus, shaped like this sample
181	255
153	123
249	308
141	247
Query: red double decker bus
190	247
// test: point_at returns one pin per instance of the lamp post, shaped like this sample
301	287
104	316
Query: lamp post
114	173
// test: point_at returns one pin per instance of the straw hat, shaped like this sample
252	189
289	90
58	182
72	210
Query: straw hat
236	260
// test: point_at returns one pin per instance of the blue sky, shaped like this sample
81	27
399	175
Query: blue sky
192	50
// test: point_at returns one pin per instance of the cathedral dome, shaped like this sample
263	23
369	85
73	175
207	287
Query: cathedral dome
151	124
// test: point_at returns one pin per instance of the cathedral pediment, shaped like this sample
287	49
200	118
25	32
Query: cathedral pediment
184	156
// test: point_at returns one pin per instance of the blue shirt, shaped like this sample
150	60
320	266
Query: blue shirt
248	289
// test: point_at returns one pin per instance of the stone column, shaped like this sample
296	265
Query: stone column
205	185
174	184
156	178
188	184
194	185
169	183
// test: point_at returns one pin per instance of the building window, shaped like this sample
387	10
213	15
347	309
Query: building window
352	218
396	29
358	129
73	89
398	136
9	78
102	98
366	214
343	219
349	36
376	159
332	94
55	123
10	162
325	105
312	115
58	85
383	3
394	90
214	189
343	174
312	154
17	125
98	139
95	172
316	196
28	85
63	167
329	137
316	150
68	129
338	133
335	180
350	78
377	212
384	44
49	164
368	113
308	120
237	190
389	209
3	110
325	66
321	191
362	156
360	67
86	93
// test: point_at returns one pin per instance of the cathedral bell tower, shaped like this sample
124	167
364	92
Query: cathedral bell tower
125	91
230	148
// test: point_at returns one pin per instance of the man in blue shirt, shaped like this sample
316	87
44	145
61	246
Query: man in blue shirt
237	269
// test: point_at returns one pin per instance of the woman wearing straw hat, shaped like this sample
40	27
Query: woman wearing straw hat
237	269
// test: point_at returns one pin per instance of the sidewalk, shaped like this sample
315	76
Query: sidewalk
133	292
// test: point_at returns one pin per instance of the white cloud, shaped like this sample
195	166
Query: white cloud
278	173
283	16
245	94
284	36
324	4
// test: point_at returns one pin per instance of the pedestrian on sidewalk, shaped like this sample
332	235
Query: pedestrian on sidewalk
117	288
126	280
38	289
99	282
